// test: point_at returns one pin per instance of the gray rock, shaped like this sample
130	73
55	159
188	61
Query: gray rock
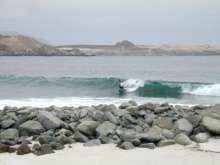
211	124
110	117
64	139
45	139
95	142
105	128
125	105
9	134
56	146
183	126
72	126
164	122
98	116
126	146
166	142
48	120
127	135
79	137
30	128
161	109
147	145
153	135
168	134
43	150
7	123
183	139
201	137
88	127
149	118
4	148
23	149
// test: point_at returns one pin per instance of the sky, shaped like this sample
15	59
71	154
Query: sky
60	22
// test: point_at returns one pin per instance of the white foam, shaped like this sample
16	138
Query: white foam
206	90
132	85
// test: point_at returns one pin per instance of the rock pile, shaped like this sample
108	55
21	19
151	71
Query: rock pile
128	126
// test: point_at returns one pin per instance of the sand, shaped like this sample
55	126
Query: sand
110	155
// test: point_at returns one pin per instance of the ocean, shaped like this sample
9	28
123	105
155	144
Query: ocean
74	81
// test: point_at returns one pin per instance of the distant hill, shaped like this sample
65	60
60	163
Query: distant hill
128	48
19	45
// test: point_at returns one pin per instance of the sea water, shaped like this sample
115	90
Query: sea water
73	81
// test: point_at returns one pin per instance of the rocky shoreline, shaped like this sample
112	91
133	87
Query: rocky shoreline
43	130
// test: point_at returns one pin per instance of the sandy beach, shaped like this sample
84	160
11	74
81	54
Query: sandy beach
111	155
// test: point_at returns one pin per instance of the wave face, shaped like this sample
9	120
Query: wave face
101	87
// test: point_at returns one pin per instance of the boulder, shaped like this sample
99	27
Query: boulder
79	137
95	142
9	134
43	150
164	122
23	149
201	137
183	126
56	146
7	123
168	134
183	139
153	135
30	128
161	109
45	139
48	120
105	128
211	124
110	117
166	142
126	146
147	145
4	148
88	127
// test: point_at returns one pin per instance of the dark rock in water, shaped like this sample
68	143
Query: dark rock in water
201	137
88	127
95	142
30	128
79	137
7	123
9	134
23	149
183	126
49	121
105	128
126	146
4	148
56	146
163	143
43	150
183	139
211	124
147	145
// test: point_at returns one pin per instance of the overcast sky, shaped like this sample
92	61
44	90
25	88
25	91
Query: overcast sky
109	21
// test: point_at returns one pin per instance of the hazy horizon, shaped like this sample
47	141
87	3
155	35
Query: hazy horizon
107	22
